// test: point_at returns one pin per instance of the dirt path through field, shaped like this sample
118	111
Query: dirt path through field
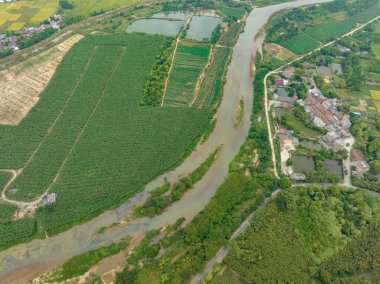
84	237
22	84
30	205
203	74
172	62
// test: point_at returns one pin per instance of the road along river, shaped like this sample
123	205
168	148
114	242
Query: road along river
26	261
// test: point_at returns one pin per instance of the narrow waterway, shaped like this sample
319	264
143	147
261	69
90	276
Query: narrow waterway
26	261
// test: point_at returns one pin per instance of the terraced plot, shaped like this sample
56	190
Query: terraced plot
189	62
94	145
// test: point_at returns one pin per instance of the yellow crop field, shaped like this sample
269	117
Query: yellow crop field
375	95
14	16
4	6
377	107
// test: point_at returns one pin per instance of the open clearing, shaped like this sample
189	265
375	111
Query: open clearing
189	62
28	12
22	84
279	52
88	139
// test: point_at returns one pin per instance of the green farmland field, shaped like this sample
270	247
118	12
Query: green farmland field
98	146
329	31
301	43
4	177
231	12
230	36
13	232
189	62
212	84
314	34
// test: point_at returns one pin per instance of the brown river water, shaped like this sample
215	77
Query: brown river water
26	261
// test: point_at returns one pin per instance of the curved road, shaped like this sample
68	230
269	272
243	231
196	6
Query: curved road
222	253
29	260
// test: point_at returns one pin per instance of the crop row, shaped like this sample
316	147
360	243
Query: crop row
56	147
18	143
124	145
301	43
328	31
230	36
17	231
235	13
212	85
189	62
325	32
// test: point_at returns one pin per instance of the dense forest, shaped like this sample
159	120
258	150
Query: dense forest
308	233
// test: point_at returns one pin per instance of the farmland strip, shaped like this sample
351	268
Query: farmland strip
46	162
189	62
212	85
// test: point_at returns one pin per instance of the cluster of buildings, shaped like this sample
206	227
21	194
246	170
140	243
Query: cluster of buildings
11	41
281	93
288	144
48	199
324	113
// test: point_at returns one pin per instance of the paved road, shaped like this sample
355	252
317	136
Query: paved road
347	181
221	254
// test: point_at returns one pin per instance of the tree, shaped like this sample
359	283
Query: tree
208	277
375	166
284	183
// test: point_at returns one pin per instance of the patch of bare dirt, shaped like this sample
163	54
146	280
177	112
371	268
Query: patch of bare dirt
22	84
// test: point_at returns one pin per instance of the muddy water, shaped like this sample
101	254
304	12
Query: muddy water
20	262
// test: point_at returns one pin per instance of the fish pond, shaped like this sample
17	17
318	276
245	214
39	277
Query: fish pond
334	166
156	26
201	27
302	163
311	145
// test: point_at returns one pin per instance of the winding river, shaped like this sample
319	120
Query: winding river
26	261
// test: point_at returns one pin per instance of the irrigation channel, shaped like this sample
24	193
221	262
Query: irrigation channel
26	261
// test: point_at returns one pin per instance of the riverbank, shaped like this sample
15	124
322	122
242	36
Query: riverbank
83	237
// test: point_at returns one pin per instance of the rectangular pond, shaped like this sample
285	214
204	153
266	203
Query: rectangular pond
311	145
156	26
334	166
302	163
201	27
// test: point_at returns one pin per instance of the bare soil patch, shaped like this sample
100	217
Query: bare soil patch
22	84
279	52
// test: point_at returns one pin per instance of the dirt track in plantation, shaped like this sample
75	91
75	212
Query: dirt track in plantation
22	84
